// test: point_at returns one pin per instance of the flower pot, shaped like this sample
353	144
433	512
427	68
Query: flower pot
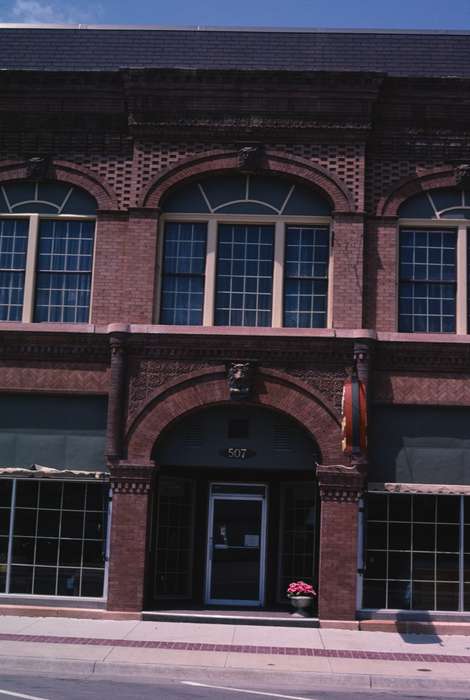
302	605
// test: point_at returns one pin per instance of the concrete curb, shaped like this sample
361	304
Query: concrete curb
146	673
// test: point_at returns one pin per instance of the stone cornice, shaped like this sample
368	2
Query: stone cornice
422	358
65	348
222	349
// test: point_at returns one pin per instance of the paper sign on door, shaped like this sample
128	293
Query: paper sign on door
251	540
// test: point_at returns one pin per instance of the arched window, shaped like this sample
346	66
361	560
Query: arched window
433	294
245	250
46	252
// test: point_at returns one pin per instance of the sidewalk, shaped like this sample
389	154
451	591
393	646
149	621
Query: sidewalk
140	649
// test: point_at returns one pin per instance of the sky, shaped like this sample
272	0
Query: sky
411	14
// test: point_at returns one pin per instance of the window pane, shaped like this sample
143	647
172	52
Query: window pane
184	261
428	269
244	275
63	279
13	245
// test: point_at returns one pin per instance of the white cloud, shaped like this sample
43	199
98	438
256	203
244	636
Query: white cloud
53	12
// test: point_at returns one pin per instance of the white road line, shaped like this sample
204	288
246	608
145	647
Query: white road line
266	694
20	695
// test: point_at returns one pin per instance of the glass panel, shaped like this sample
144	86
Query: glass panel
45	580
428	268
184	261
21	579
5	493
63	280
236	548
13	246
174	551
375	594
244	275
238	488
297	535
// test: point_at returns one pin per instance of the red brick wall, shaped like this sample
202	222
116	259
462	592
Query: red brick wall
338	560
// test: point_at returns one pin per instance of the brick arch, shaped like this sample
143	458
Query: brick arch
63	171
429	179
274	162
271	391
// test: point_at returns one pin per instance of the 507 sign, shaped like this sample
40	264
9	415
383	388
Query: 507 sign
237	453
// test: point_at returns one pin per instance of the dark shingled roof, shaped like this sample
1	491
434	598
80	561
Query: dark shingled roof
407	53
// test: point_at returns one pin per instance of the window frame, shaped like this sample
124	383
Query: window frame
461	227
31	263
280	224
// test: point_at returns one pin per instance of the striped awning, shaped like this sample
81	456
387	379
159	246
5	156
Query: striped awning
37	470
435	489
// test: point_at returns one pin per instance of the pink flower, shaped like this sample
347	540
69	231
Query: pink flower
298	588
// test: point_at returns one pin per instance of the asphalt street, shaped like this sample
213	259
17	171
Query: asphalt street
49	688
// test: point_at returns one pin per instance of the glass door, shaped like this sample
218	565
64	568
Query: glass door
236	545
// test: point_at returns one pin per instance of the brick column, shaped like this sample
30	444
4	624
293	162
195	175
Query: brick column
340	490
132	487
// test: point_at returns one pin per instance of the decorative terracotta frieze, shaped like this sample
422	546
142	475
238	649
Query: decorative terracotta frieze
132	478
340	483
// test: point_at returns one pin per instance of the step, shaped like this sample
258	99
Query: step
232	617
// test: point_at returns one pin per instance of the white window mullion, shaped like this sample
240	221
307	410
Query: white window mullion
30	276
209	283
10	535
461	324
278	273
461	555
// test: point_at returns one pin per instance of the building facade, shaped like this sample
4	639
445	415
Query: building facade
203	235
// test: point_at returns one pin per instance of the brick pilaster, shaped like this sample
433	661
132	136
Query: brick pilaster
132	487
114	428
347	280
340	490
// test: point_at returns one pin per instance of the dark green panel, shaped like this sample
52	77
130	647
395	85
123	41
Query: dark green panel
53	431
271	441
419	444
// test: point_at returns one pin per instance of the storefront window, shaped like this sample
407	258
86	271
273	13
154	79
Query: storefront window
414	547
53	538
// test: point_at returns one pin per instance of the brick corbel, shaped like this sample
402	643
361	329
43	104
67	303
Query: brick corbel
135	479
340	483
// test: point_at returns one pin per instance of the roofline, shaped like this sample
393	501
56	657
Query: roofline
203	28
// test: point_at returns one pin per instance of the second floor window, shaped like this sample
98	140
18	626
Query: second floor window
433	262
46	252
241	250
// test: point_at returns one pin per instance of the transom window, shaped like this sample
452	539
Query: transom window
433	244
46	252
245	250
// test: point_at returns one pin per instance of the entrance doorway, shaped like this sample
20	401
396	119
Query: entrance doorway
236	547
235	516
